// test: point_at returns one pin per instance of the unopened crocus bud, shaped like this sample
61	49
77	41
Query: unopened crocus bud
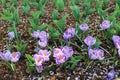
69	33
14	57
89	41
84	27
11	35
105	24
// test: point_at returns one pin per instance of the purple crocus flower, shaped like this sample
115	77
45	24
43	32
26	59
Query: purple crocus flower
43	35
38	59
89	41
5	55
14	57
57	52
39	69
99	53
84	27
69	33
68	51
42	43
45	54
116	41
36	34
60	59
92	54
105	24
11	35
111	75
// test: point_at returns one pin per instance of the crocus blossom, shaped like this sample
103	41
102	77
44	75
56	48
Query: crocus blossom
89	41
38	59
36	34
92	54
5	55
116	41
111	75
42	43
60	59
57	52
43	35
45	54
105	24
11	35
84	27
14	57
99	53
39	69
68	51
69	33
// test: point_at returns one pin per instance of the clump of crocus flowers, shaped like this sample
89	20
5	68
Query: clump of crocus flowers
42	36
62	54
8	56
95	53
69	33
40	58
116	41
